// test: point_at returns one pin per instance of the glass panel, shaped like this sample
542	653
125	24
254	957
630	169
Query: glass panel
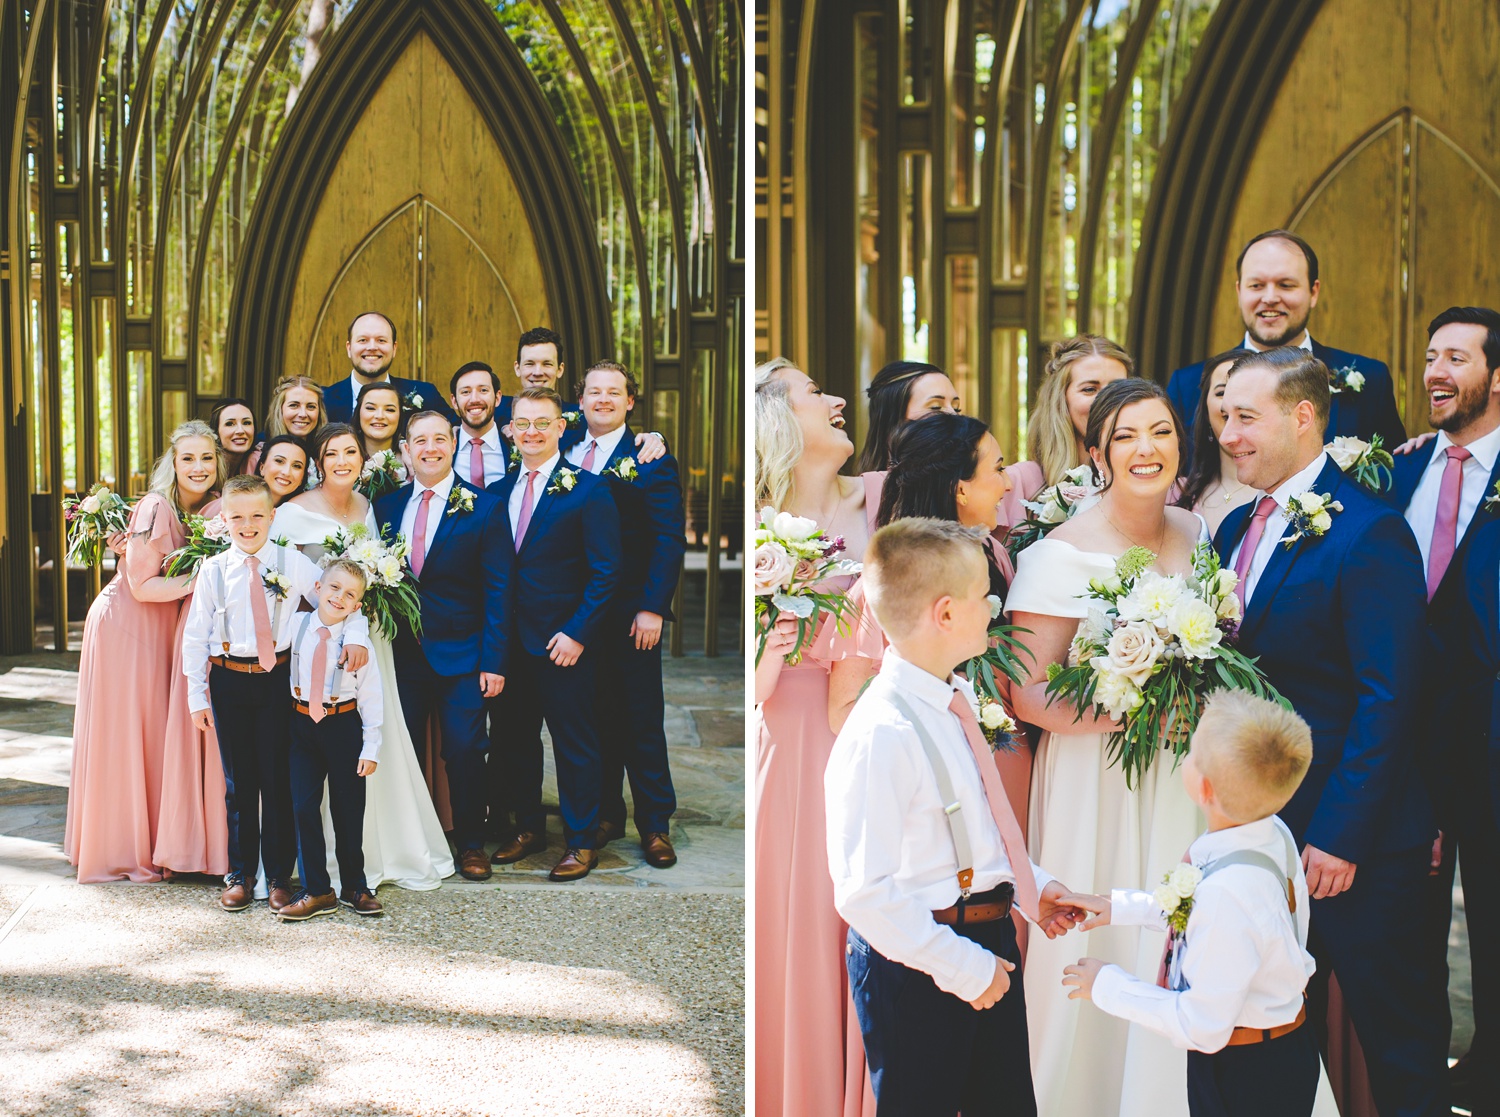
36	316
916	31
969	93
140	381
104	386
963	335
174	411
869	331
67	371
1008	402
916	255
69	86
665	403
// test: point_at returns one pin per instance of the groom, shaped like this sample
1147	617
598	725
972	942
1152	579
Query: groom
1337	621
461	556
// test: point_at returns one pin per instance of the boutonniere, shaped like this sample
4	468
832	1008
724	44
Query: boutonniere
460	499
1309	514
277	584
624	468
1175	898
571	418
413	400
1367	462
515	455
280	541
1346	379
999	727
1492	502
563	480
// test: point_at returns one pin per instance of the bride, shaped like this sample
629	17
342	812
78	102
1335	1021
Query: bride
404	843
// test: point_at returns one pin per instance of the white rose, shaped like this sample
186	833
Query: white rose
216	528
995	605
1184	879
773	569
389	568
1224	583
1134	649
1046	507
1355	380
90	504
992	715
1166	898
1196	626
1322	522
1310	503
796	529
1116	693
1345	451
1230	610
1082	475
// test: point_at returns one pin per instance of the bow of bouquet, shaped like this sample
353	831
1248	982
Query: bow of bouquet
207	536
1151	650
383	472
1369	463
91	520
1053	505
390	586
792	556
1003	657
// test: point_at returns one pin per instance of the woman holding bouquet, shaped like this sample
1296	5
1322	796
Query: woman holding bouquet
809	1056
130	647
1212	489
403	841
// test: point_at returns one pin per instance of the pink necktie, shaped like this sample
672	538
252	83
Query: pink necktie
588	457
1005	818
1257	528
318	681
419	535
265	643
476	463
523	521
1445	528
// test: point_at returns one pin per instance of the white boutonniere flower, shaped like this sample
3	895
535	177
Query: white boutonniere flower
277	584
996	605
997	725
624	468
460	499
1369	463
414	400
1346	379
1492	502
1175	894
1309	514
571	418
563	480
515	455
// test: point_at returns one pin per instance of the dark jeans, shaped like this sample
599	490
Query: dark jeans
251	713
1277	1078
328	750
632	741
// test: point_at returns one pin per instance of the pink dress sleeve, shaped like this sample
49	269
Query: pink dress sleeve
1026	481
152	539
861	636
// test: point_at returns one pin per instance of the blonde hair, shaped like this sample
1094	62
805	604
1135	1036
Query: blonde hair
1051	440
164	473
1253	751
349	567
778	438
910	563
274	424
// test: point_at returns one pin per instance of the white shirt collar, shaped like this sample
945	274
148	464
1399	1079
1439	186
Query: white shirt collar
1484	449
240	557
355	384
912	680
545	469
1299	482
607	442
1216	843
333	629
490	438
1305	343
440	490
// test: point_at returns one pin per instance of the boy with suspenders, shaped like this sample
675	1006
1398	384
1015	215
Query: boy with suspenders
1236	961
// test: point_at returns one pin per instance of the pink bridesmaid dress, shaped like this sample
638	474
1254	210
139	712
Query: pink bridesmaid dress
120	723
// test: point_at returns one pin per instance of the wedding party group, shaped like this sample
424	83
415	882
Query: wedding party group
331	643
1190	715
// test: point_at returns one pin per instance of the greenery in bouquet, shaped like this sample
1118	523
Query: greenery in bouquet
792	557
390	587
91	520
207	536
1369	463
1151	650
1003	657
1053	505
383	473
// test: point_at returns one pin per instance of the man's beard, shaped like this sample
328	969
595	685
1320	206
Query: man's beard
471	425
1286	337
377	372
1468	406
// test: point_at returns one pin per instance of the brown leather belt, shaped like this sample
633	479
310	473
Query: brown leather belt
247	665
328	710
987	907
1241	1036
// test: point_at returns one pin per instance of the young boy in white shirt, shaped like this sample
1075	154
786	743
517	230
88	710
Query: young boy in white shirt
925	853
1236	911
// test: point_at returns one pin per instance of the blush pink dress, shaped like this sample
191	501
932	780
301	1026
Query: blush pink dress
120	723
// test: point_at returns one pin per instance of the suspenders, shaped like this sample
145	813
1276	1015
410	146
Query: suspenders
947	794
338	670
221	605
1287	873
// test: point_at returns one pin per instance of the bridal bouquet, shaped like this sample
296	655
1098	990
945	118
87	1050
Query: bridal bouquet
792	555
206	537
91	521
1151	650
1052	506
1369	463
383	473
1002	657
390	586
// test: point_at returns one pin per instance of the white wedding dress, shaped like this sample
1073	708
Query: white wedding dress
1094	834
404	842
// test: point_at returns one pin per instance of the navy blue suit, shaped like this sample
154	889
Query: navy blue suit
565	573
465	592
338	399
631	732
1371	410
1338	624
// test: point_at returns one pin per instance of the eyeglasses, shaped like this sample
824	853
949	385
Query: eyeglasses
524	425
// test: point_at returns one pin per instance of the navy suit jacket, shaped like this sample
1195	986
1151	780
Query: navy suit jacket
338	399
568	567
1338	625
1371	410
653	532
1473	696
465	584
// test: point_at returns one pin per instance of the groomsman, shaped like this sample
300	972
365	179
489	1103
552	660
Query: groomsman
652	528
372	348
565	533
1277	287
482	448
1337	620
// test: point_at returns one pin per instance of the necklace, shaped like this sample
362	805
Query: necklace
1226	494
1161	539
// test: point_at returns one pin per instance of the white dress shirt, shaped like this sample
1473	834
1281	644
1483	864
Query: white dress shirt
435	509
362	685
1243	964
890	849
539	485
1305	343
1421	512
355	384
215	617
492	449
1295	485
607	444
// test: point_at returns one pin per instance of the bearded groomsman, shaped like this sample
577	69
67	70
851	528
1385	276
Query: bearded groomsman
482	449
632	710
372	348
1335	608
1277	288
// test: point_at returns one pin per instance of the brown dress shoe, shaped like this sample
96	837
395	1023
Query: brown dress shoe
658	850
236	895
575	865
521	846
474	865
278	894
305	907
607	832
361	901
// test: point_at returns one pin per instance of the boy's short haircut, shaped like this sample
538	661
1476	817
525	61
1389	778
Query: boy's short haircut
349	567
1253	751
910	563
247	484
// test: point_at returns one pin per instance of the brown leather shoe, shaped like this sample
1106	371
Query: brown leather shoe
305	907
575	865
474	865
607	832
361	901
279	894
236	895
658	850
523	845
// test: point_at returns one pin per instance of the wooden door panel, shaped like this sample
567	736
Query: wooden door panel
467	310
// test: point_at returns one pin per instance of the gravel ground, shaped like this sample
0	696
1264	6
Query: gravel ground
122	1000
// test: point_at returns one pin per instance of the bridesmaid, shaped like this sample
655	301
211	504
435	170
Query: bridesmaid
809	1059
296	409
283	466
1211	489
125	673
378	414
234	426
900	392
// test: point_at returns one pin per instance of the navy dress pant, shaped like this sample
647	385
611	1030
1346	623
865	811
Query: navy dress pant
251	714
1276	1078
328	750
632	740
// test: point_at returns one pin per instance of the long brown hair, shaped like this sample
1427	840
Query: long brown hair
274	424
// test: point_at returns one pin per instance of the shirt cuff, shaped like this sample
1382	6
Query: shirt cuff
1131	908
371	750
1109	985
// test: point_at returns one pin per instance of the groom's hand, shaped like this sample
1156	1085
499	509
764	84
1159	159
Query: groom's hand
646	630
1327	875
355	656
490	685
999	985
564	649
